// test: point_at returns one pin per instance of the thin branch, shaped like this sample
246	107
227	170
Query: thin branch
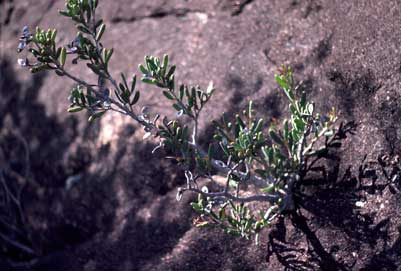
11	227
301	144
195	132
314	140
123	108
230	172
266	198
258	182
216	164
18	245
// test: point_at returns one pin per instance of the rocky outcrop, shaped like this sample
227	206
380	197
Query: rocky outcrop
346	53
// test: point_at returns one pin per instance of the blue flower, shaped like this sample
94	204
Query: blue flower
179	113
21	46
25	32
74	46
23	62
25	39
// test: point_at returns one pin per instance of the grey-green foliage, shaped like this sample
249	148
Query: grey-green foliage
273	161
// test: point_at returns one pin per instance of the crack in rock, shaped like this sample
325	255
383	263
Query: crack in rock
157	14
239	7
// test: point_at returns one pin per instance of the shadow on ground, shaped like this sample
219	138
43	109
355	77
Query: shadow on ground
124	216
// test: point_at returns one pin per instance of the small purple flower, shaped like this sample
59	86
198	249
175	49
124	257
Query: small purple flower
179	113
224	141
72	50
74	45
25	31
220	164
23	62
21	46
25	39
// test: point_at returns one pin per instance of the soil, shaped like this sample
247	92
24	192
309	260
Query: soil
95	198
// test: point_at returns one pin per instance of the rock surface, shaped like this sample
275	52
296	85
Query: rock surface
122	215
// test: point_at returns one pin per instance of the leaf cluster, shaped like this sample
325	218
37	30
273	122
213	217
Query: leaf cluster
245	151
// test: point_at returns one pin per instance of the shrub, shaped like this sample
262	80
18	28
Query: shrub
274	160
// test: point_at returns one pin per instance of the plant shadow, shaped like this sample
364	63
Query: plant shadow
340	195
37	158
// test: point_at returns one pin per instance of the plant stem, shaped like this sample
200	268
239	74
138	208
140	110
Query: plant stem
268	198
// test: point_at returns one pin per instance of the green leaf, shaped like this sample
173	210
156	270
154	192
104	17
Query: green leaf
299	124
94	4
168	95
100	32
58	53
196	207
98	23
75	108
94	68
96	115
193	98
133	83
124	81
268	189
75	18
222	213
151	64
59	73
118	96
171	71
151	81
53	35
64	13
258	126
136	98
164	65
109	53
239	121
293	109
121	86
181	92
83	29
177	107
34	52
171	83
286	129
250	109
210	151
202	224
268	154
281	81
295	135
302	101
143	69
289	94
275	137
